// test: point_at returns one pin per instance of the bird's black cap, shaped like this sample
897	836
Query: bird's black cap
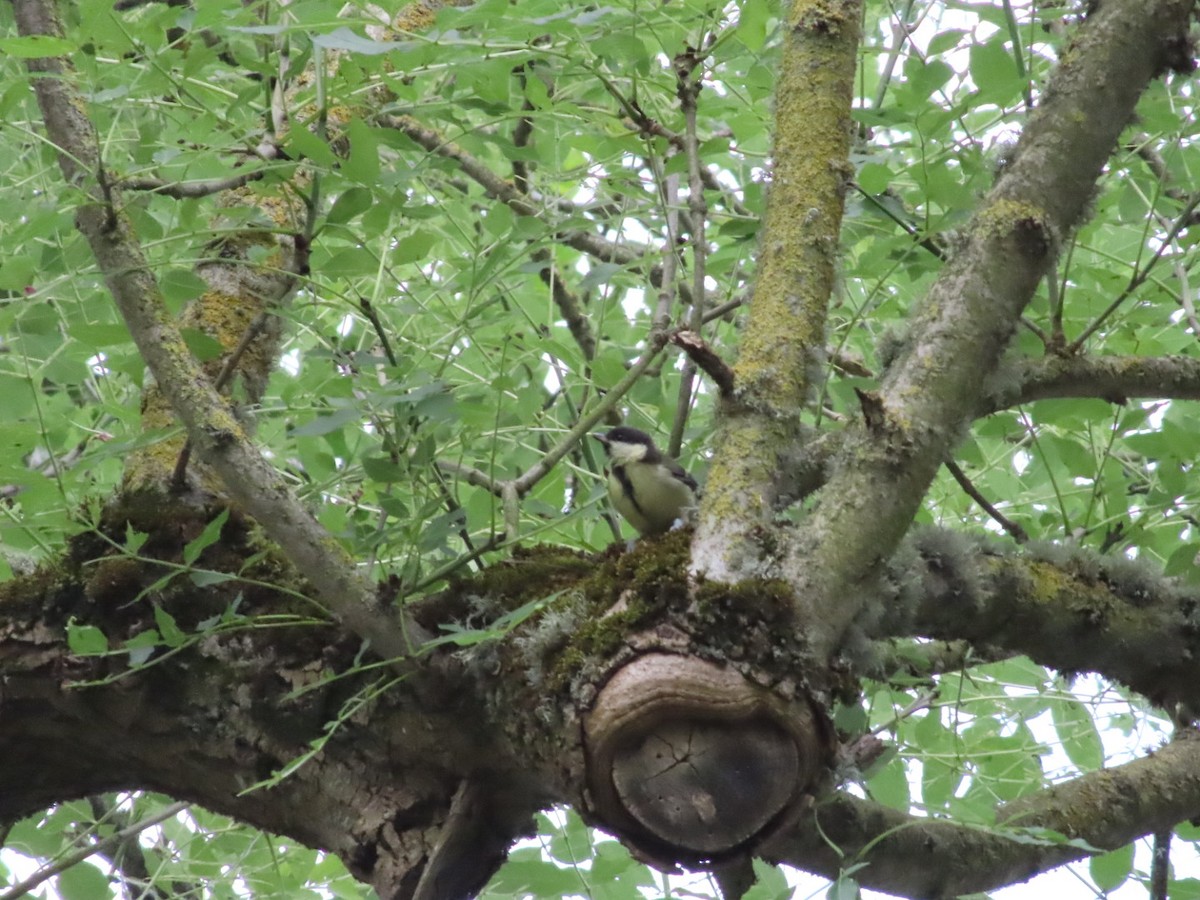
625	436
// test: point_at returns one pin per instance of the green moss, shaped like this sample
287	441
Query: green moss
530	573
1007	216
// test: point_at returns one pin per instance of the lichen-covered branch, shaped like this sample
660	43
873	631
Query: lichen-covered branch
930	858
1116	379
931	391
784	340
1066	607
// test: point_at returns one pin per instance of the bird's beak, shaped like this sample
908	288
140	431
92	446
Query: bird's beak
601	438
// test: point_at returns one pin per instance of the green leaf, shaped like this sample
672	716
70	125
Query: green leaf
1111	870
889	785
142	646
327	424
206	538
351	203
346	40
83	881
172	634
753	16
302	143
203	578
413	248
845	888
85	640
994	70
203	346
133	539
1077	733
363	164
769	883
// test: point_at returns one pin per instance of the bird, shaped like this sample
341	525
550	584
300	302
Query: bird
648	488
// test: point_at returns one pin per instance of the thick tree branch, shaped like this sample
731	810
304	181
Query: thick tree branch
784	339
253	483
241	704
1065	607
929	858
1112	378
957	337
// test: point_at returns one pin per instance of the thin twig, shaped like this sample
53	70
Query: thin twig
1015	531
923	701
472	476
115	839
190	190
568	304
688	73
1058	337
900	32
1136	281
368	310
1160	865
509	194
723	309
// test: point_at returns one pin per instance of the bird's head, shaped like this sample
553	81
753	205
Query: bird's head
626	445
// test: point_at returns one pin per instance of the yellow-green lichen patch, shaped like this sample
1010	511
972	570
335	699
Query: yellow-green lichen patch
1007	217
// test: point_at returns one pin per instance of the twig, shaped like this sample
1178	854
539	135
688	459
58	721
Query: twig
900	31
688	86
380	332
492	543
1015	531
508	193
568	304
1058	337
472	476
728	306
924	701
190	190
113	840
701	354
1181	222
1160	865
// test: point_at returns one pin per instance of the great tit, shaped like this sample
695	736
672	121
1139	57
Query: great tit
649	489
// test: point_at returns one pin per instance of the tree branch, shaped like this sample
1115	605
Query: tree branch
103	846
922	857
1112	378
1064	607
958	335
510	195
784	339
215	432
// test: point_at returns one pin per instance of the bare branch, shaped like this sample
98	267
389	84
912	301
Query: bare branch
1015	531
182	190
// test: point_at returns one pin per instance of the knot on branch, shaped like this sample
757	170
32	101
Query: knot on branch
689	762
